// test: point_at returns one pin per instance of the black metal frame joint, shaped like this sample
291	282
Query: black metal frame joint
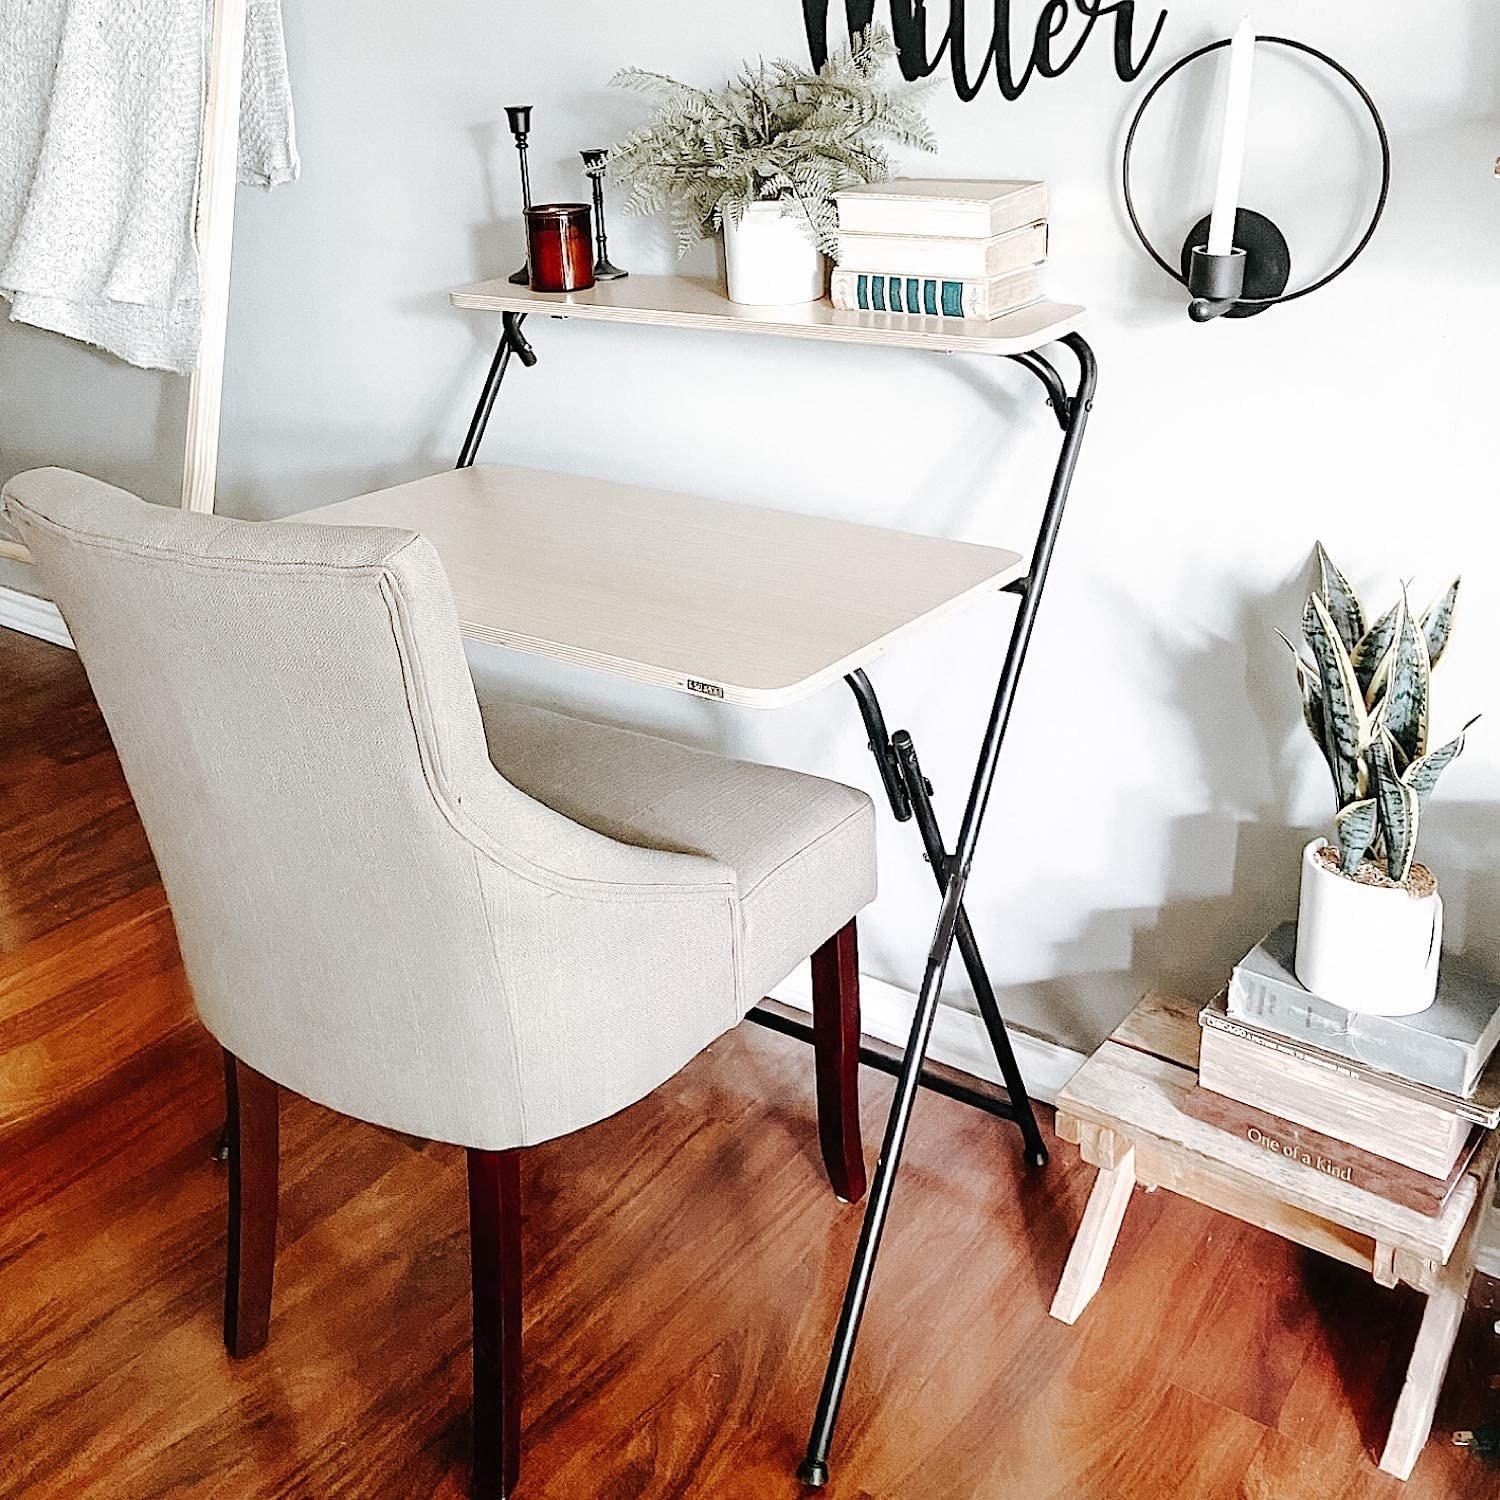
512	342
880	743
511	332
1057	393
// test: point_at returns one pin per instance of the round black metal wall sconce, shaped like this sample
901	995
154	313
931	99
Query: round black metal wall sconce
1255	276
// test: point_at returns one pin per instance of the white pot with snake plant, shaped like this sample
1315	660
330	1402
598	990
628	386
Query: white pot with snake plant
1370	918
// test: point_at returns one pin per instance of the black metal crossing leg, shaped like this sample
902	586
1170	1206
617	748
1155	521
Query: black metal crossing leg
910	796
953	874
814	1469
919	792
512	341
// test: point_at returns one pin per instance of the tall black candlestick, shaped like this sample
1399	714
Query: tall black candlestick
519	117
594	162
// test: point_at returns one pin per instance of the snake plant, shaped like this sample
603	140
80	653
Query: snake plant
1366	699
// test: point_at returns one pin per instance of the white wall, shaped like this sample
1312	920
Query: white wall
1156	785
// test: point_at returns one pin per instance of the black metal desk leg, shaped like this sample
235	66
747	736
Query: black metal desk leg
512	341
968	946
910	795
954	874
814	1469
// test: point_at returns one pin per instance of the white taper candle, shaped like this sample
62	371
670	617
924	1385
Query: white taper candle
1232	140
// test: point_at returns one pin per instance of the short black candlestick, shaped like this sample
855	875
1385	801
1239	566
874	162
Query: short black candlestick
594	162
519	118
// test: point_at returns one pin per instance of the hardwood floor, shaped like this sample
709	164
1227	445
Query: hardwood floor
682	1265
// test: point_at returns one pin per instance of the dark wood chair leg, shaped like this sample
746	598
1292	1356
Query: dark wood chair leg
495	1250
254	1159
835	1004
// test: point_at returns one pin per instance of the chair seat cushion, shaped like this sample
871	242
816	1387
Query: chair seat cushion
802	848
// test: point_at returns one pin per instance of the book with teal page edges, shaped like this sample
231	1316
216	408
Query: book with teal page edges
930	296
1445	1047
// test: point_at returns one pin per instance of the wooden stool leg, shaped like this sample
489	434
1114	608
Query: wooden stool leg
1084	1272
1429	1359
835	1006
495	1251
254	1152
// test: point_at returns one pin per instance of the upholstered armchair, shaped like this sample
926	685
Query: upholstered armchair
487	925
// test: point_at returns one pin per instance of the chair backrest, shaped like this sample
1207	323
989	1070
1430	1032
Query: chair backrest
298	726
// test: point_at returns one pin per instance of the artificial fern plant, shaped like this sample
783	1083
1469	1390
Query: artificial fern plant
1366	698
774	132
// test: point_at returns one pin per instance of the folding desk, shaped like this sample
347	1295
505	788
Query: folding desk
759	607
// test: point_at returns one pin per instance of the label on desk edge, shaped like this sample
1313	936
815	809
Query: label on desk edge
704	689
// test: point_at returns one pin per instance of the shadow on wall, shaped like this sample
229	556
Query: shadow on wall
1237	879
1214	879
1460	842
148	406
1235	693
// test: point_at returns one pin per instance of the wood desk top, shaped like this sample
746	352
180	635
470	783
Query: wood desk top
750	605
689	302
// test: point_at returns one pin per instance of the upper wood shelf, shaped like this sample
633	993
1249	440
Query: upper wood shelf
687	302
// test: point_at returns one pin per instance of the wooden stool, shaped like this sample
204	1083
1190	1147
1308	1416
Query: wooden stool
1123	1109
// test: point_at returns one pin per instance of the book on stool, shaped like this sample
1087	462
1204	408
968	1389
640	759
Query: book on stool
1406	1090
1447	1046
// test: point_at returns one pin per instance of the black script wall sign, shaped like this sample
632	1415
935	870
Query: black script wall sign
1055	43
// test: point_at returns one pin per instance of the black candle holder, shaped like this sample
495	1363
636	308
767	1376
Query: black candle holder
1256	273
595	161
1251	278
519	118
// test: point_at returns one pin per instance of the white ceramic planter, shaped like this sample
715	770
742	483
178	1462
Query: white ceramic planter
770	259
1371	949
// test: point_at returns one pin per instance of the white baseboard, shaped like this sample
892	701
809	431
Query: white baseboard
33	616
958	1038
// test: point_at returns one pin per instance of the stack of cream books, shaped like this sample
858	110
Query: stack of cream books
933	247
1394	1104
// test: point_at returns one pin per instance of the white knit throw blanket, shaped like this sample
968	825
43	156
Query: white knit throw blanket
101	130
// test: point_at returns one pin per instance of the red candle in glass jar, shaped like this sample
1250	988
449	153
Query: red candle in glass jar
560	247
